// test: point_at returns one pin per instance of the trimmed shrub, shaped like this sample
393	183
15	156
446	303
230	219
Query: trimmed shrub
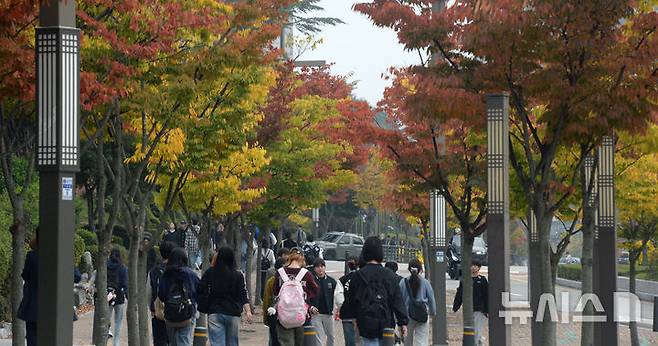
569	271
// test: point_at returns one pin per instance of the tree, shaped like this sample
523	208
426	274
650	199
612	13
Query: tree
591	74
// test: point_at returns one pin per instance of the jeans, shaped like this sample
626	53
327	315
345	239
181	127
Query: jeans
324	326
371	342
480	320
31	333
418	333
159	328
223	330
181	336
119	311
349	330
194	258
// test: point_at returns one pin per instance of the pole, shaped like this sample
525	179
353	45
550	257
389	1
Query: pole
498	214
534	276
57	71
436	258
606	333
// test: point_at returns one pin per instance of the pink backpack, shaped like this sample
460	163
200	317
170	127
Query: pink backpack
291	307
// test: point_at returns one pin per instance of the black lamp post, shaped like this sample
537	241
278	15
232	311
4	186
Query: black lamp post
498	214
57	94
437	242
605	245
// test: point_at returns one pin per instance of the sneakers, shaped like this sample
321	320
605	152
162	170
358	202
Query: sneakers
109	334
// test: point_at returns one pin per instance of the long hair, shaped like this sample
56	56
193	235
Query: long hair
296	255
115	255
223	270
415	268
177	259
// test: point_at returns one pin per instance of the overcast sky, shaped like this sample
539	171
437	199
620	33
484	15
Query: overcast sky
359	48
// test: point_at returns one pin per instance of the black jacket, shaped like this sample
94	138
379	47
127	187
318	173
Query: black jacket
224	292
177	237
27	311
374	272
347	310
480	295
120	272
324	301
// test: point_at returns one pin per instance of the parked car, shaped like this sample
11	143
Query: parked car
624	258
337	244
453	254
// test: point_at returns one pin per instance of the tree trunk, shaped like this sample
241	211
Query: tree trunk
142	299
548	327
91	215
134	284
259	283
101	308
635	338
17	264
467	284
250	255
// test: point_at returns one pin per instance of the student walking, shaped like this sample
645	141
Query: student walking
177	291
117	289
418	298
158	326
311	250
269	312
294	288
347	314
192	245
27	310
375	294
176	236
325	305
222	294
266	264
480	301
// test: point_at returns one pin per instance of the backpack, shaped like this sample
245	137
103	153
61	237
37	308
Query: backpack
417	309
311	252
178	306
371	316
291	304
154	275
265	262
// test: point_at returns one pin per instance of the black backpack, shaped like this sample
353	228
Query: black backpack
178	306
265	262
373	311
417	309
311	252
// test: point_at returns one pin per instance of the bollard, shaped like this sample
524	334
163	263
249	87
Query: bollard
655	314
469	336
200	336
388	338
311	336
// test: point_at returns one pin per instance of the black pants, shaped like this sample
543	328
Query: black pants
263	281
160	337
31	333
274	339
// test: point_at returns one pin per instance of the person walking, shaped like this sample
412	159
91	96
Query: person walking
266	264
158	325
326	304
418	298
289	243
269	311
174	235
480	301
222	294
346	313
27	310
177	291
393	266
117	289
311	250
375	294
192	245
289	278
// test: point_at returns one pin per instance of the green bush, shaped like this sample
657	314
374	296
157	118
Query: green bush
569	271
5	270
89	237
78	248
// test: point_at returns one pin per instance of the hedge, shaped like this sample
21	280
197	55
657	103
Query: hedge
569	271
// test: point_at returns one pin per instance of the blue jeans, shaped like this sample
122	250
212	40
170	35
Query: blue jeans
181	336
119	312
350	332
223	330
371	342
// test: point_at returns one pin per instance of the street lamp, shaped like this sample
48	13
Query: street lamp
58	158
498	213
316	222
605	250
436	258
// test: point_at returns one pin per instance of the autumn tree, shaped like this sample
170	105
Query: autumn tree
590	65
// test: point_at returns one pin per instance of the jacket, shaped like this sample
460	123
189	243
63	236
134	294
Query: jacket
177	237
425	294
373	272
480	295
154	276
225	291
268	299
330	296
27	310
120	271
347	310
184	275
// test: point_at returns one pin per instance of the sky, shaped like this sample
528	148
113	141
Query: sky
359	49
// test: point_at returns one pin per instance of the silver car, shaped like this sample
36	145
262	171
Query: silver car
337	244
